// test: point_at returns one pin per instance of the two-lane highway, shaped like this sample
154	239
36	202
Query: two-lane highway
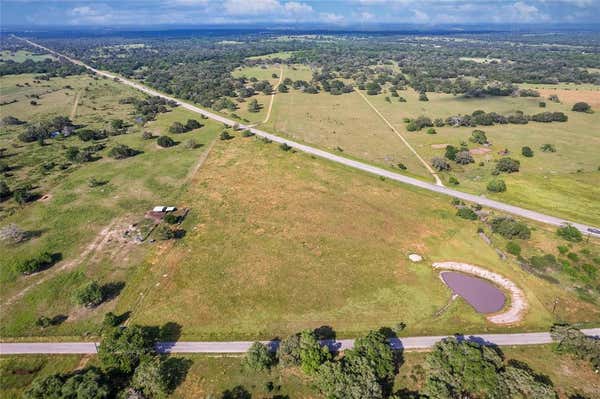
481	200
408	343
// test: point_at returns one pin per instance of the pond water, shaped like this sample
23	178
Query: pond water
484	296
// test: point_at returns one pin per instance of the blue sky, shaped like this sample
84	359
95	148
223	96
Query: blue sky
341	13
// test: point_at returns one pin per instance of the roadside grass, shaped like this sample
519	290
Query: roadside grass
564	183
280	241
214	375
18	372
74	216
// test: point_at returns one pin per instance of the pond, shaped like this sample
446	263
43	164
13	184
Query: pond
484	296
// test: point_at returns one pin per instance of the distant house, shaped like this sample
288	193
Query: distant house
164	209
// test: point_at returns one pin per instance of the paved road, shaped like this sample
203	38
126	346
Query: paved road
409	343
483	201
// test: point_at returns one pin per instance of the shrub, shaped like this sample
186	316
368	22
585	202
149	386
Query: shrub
121	151
527	152
479	137
431	131
510	228
247	133
23	195
496	186
36	264
177	127
401	166
451	152
548	148
171	218
463	158
440	164
147	135
43	322
508	165
543	262
562	249
466	213
192	124
581	107
542	104
288	352
4	190
513	248
569	233
453	180
258	357
225	135
90	295
423	96
165	141
111	320
285	147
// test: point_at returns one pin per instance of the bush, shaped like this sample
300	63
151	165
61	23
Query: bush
431	131
285	147
90	295
508	165
36	264
165	141
513	248
453	180
581	107
192	124
496	186
466	213
258	357
479	137
177	127
23	195
463	158
451	152
121	151
111	320
569	233
510	228
288	352
423	96
440	164
225	135
548	148
4	190
527	152
247	133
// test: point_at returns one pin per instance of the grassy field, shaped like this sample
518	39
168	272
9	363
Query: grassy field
284	55
21	56
564	183
280	241
213	376
84	224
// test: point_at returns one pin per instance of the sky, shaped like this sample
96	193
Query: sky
265	13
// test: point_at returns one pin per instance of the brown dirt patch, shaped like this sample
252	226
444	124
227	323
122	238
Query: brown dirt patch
480	151
591	97
46	198
439	146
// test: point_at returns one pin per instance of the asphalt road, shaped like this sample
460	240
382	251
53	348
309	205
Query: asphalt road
409	343
481	200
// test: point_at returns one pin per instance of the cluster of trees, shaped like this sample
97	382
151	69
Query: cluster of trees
178	127
129	367
510	228
43	130
39	262
50	68
571	340
569	233
121	151
481	118
149	107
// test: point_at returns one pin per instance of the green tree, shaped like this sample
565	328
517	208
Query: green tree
121	151
253	106
177	127
508	165
548	148
350	378
4	190
90	295
451	152
88	384
513	248
520	382
122	349
440	164
152	377
258	357
192	124
33	265
496	186
225	135
466	213
312	355
49	387
463	158
570	233
288	352
117	124
509	228
462	369
479	137
23	195
376	350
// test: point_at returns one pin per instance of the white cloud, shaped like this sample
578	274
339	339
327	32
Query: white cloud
331	18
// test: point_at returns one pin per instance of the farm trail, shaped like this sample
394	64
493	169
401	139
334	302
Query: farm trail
75	103
273	95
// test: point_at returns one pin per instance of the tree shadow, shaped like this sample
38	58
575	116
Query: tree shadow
544	379
54	259
238	392
324	333
112	290
58	319
405	393
170	331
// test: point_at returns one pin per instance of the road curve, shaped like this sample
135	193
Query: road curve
408	343
481	200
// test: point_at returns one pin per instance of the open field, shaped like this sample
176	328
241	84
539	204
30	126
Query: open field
84	224
21	55
284	55
562	183
212	376
260	262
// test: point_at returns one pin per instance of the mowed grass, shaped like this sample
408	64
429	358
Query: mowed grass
280	241
564	183
71	221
